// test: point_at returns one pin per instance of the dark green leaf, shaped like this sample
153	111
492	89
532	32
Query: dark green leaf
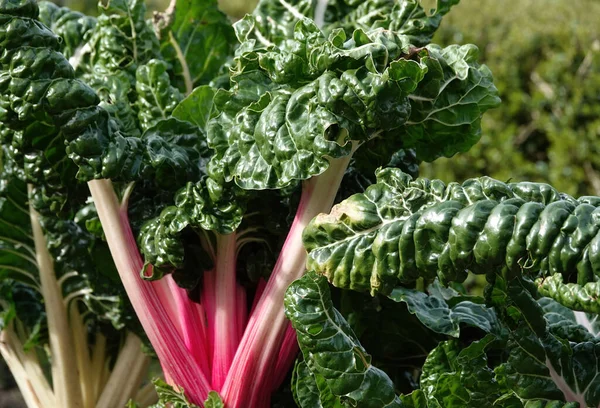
171	398
310	390
197	39
197	107
331	349
435	313
370	240
156	98
460	378
73	27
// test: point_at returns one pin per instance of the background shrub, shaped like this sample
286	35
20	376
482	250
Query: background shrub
545	57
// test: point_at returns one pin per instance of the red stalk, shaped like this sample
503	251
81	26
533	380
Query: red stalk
208	301
191	321
286	357
226	333
178	365
260	345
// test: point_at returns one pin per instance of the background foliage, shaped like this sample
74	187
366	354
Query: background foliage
545	57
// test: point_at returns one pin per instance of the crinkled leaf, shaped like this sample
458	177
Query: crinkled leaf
156	98
401	229
197	207
290	108
100	135
569	324
331	349
448	104
115	89
436	314
197	39
453	377
573	295
543	366
72	26
17	253
168	397
175	152
397	341
122	39
406	17
310	390
276	19
213	401
415	399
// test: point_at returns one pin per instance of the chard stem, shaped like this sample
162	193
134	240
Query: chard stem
260	345
26	371
161	330
226	334
185	70
286	357
98	363
192	322
65	376
83	357
125	375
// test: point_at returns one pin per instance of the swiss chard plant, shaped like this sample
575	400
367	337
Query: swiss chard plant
206	157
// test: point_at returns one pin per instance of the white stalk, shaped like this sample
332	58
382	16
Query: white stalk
82	354
65	375
125	376
97	364
32	383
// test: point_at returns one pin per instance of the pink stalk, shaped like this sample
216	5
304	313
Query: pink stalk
260	346
226	334
166	297
208	302
286	357
177	363
191	320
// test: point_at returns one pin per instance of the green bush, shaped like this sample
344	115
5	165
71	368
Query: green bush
545	56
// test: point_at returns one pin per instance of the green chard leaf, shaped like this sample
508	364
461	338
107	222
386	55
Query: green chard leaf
213	401
369	241
443	310
570	324
276	19
73	27
405	17
542	366
331	350
310	390
196	38
197	206
197	107
456	377
306	100
63	118
448	104
156	98
17	254
123	39
171	398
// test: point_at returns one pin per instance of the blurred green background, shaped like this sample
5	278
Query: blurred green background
545	56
